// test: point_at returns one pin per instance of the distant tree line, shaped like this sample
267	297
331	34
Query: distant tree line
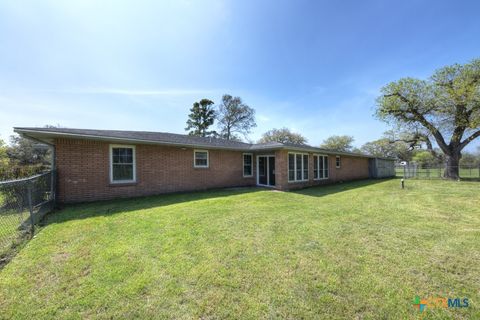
23	158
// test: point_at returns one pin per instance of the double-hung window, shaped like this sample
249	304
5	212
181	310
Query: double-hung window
338	162
297	167
200	158
247	165
122	164
320	167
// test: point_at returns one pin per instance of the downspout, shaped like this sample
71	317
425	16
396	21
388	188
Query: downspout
53	175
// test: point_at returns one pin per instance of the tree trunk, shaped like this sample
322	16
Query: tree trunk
452	169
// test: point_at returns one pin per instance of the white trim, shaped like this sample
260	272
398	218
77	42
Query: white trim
318	166
134	163
339	161
268	169
251	164
295	167
208	159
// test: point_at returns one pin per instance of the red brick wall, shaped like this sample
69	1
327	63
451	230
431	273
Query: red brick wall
83	171
352	168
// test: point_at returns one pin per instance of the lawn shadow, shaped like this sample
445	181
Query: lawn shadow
87	210
111	207
469	179
328	189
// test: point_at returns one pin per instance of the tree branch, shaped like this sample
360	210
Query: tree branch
469	139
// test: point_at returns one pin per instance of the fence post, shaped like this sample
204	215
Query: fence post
30	206
52	186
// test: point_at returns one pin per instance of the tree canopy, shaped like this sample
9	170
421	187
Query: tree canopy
445	107
3	154
384	147
235	117
338	143
27	152
201	117
282	135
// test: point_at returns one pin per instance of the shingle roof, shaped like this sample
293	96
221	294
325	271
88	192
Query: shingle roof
141	136
47	135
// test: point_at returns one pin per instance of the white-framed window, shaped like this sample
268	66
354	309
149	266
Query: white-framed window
320	167
200	159
338	162
247	165
297	167
122	164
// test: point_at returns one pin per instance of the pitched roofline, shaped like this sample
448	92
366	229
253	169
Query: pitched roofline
26	132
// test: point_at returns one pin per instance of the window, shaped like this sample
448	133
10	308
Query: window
247	165
291	167
305	167
122	164
200	158
320	167
297	167
337	161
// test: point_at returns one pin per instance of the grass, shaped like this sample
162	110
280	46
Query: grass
10	221
359	250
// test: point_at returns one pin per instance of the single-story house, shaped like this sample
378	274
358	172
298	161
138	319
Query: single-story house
106	164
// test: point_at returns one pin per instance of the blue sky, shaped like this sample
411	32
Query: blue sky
313	66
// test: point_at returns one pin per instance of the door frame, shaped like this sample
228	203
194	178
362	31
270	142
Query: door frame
268	156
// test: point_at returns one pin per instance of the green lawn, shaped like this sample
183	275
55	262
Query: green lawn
357	250
10	221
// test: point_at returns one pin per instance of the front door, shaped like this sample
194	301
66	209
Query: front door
266	171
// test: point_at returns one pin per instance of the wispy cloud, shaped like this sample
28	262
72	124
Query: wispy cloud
138	92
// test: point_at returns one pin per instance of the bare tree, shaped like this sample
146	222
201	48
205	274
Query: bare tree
235	117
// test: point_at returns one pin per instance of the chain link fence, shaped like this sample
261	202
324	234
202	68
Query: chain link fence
23	203
413	170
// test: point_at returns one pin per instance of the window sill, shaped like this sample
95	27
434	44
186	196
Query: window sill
123	184
201	168
298	181
321	179
251	176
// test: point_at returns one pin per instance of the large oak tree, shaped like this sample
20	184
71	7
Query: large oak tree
446	106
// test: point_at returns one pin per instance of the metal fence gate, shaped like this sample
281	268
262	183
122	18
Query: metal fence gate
23	203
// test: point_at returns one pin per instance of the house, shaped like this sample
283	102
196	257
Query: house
106	164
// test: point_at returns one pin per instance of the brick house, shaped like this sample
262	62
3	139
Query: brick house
105	164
